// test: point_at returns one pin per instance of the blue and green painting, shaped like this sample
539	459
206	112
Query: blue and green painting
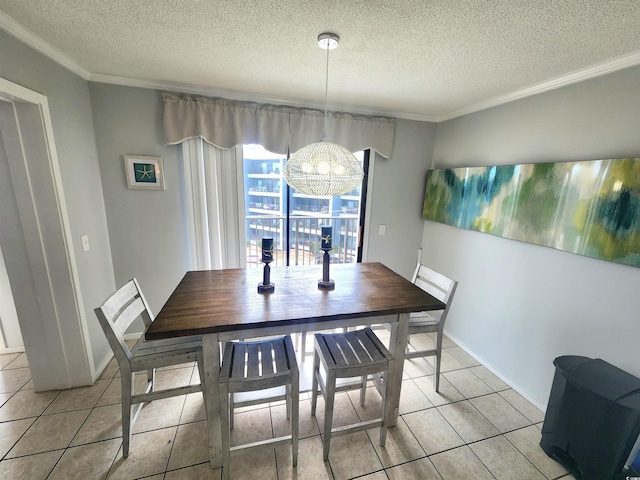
590	208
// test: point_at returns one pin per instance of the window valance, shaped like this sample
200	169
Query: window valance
226	123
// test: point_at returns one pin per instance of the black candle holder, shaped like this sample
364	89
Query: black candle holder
266	286
326	283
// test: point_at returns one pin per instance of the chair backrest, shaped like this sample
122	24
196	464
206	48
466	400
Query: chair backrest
118	312
436	284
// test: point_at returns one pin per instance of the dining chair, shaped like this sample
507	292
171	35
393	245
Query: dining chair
357	353
248	366
444	289
115	315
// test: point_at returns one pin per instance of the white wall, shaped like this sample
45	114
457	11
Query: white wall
518	306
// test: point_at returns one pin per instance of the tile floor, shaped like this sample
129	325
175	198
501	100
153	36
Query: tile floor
476	427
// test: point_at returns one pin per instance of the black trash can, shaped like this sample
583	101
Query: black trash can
592	424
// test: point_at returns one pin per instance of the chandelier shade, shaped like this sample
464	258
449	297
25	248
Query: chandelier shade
323	169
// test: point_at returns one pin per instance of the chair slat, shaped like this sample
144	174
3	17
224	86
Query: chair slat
266	358
238	363
128	316
119	299
347	350
335	352
282	364
253	360
368	344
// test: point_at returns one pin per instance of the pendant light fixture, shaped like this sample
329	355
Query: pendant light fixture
324	168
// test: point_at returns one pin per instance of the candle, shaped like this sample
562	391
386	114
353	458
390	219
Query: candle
326	238
267	249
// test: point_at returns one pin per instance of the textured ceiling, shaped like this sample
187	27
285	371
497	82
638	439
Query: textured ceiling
425	59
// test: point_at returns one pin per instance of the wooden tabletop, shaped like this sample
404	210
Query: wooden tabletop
215	301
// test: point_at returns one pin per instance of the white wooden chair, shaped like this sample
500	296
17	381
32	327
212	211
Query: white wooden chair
344	355
115	315
258	365
443	288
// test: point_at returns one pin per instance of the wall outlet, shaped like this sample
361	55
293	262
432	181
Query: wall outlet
85	243
382	230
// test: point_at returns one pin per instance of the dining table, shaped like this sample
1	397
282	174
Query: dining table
224	305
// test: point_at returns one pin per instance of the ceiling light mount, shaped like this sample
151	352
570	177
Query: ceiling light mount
328	41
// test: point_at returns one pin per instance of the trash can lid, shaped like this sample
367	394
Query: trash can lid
600	377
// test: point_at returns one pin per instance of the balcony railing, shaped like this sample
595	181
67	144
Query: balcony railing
304	239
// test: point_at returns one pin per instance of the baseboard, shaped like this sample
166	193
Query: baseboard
4	350
497	372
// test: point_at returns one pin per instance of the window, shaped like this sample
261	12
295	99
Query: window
293	219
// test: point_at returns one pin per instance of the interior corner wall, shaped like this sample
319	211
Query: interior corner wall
148	229
396	202
68	98
519	306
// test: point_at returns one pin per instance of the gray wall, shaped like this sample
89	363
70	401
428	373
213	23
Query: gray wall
68	98
147	228
518	306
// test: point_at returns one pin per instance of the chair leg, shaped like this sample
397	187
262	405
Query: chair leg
387	411
287	396
436	372
126	382
363	390
225	429
314	383
295	413
232	407
328	413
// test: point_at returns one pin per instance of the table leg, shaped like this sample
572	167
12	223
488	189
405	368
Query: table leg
397	346
211	354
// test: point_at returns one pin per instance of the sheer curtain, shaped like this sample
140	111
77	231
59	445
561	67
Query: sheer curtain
212	132
215	203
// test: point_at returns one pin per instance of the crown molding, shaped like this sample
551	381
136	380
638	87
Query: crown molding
17	30
254	97
597	70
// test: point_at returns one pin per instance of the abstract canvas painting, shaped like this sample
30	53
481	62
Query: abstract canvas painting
590	207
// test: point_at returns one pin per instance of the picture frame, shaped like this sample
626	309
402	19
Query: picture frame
144	172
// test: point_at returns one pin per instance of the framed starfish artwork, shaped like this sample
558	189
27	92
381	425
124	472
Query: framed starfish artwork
144	172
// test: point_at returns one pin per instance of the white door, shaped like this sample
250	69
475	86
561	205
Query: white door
10	335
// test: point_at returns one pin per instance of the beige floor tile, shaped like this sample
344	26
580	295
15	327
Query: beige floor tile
148	455
311	466
86	462
12	380
28	385
412	398
4	397
307	425
527	441
372	407
191	446
524	406
417	367
375	476
467	421
50	432
7	358
20	361
489	378
77	398
10	433
112	393
158	414
447	394
196	472
460	463
352	456
432	431
422	469
258	465
26	404
467	383
401	445
500	412
463	357
447	342
32	467
110	370
449	363
193	410
175	377
103	423
251	426
343	411
504	461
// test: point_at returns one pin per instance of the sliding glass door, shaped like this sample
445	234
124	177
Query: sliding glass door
294	219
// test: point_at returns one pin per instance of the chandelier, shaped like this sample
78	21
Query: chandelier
324	168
